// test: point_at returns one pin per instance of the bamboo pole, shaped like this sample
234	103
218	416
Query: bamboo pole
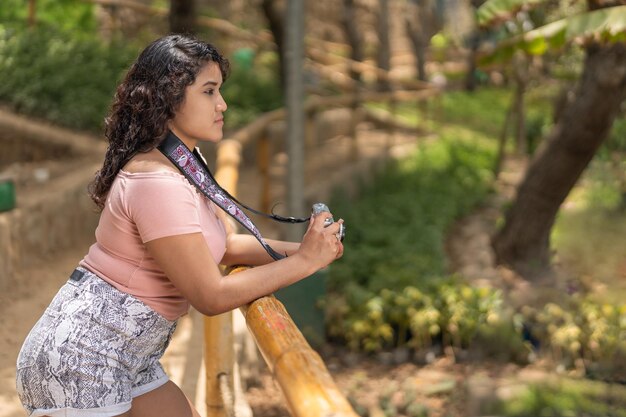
219	360
307	386
219	357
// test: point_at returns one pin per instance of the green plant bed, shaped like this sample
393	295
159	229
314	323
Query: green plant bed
383	290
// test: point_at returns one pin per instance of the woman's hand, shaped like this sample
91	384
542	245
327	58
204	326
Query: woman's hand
320	245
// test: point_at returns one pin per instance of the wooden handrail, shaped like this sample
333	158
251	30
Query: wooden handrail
219	357
300	372
308	387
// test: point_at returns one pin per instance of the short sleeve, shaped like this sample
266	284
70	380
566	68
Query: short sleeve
163	205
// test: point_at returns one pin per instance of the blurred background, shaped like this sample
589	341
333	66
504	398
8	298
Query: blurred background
476	150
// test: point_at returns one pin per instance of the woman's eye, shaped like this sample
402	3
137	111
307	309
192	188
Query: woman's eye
210	92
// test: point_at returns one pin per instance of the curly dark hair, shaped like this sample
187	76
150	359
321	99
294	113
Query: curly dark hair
147	99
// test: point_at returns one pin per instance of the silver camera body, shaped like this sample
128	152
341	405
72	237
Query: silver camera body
320	208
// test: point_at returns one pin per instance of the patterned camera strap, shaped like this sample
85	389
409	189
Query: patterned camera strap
192	166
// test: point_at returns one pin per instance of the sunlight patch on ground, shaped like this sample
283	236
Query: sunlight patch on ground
589	241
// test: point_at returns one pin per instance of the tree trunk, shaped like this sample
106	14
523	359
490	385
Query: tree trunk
182	16
419	48
32	13
275	15
422	21
497	166
351	31
383	56
472	57
520	112
524	241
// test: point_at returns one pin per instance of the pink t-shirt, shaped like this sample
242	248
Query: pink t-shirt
141	207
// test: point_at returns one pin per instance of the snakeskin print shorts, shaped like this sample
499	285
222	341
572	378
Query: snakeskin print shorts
94	349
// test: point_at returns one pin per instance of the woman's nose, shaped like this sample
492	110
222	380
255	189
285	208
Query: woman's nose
221	105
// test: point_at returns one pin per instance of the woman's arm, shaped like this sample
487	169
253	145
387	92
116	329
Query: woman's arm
188	263
243	249
246	250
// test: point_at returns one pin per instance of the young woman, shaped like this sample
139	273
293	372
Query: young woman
96	349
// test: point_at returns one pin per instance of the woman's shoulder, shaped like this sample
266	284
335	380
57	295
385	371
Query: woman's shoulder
150	164
148	184
151	161
152	170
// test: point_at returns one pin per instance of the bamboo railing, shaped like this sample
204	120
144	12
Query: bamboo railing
306	383
219	357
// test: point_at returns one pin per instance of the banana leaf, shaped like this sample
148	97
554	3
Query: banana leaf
603	25
493	12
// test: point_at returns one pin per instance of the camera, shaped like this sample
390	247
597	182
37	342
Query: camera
321	207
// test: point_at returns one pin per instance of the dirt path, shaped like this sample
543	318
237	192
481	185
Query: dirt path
469	241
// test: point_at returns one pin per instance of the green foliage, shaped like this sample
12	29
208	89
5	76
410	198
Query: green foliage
452	312
607	25
391	288
566	398
70	79
479	114
483	111
538	125
603	193
585	331
495	11
406	210
66	15
616	142
55	76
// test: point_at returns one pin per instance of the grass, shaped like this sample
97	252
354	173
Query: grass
483	111
588	235
567	397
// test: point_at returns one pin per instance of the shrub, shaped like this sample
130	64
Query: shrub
58	77
67	15
583	331
387	290
70	79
